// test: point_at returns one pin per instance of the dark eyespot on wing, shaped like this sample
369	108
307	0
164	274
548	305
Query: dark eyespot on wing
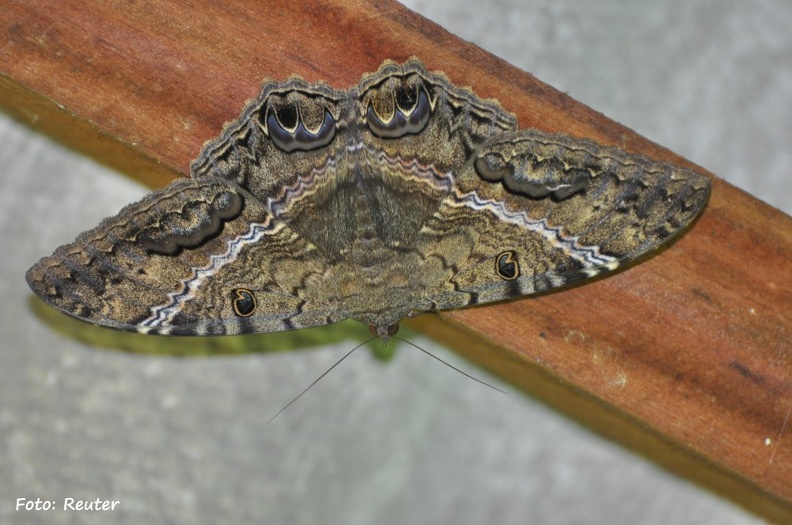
506	266
244	302
299	137
403	120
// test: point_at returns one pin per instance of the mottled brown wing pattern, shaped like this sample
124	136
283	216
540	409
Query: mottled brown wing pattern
197	257
400	195
614	208
288	132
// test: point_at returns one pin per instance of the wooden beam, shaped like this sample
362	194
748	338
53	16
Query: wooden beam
686	357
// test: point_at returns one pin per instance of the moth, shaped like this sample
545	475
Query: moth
401	195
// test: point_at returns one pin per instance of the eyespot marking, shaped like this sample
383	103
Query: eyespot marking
507	266
244	302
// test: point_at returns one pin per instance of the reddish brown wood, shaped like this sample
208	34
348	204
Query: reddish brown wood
685	357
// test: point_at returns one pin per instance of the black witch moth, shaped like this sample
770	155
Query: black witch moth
401	195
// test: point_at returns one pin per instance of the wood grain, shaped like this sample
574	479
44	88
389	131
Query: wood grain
685	358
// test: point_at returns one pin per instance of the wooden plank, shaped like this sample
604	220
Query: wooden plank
685	357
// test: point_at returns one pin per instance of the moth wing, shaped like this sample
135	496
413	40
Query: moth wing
290	130
533	212
197	257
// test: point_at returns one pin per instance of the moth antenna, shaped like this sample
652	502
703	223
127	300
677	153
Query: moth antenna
449	364
367	341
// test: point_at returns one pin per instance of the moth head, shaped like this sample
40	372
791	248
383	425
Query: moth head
400	105
384	332
298	120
